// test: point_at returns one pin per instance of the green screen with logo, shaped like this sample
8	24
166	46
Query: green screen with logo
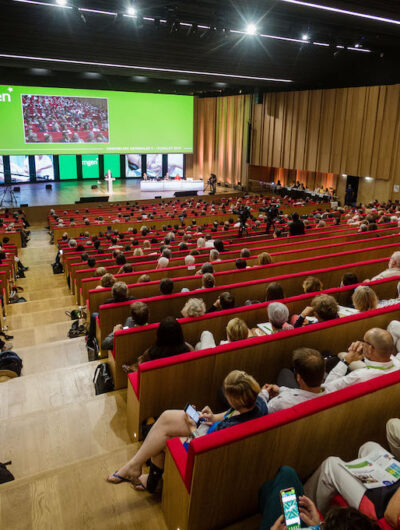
68	168
90	166
36	120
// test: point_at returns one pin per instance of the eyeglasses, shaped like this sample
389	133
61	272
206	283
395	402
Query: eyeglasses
368	343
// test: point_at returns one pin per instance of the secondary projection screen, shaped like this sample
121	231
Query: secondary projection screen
36	120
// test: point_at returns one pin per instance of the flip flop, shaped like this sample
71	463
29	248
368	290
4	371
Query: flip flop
119	477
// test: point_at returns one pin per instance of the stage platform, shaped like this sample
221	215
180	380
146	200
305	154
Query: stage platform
35	194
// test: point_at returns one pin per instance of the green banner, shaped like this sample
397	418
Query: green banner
36	120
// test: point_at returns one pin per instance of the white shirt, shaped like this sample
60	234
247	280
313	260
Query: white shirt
288	397
388	273
209	243
337	378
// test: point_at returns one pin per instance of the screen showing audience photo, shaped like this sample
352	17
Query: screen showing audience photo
133	166
65	119
1	170
154	166
175	165
44	167
19	166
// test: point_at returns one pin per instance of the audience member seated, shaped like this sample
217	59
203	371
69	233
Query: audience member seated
296	227
364	298
190	262
100	272
349	278
274	292
242	393
241	263
223	302
308	375
323	308
166	286
207	281
144	278
312	285
264	259
194	307
392	270
336	518
139	317
108	280
378	352
214	255
331	478
119	293
278	316
162	263
206	267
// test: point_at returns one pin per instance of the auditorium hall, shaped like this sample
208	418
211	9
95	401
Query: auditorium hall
199	265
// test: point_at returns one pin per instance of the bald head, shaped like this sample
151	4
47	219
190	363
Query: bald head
381	345
395	260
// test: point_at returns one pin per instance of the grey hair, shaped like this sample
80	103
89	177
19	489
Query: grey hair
278	314
395	258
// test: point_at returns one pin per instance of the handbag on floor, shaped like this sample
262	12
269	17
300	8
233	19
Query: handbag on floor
102	379
93	350
5	475
76	330
75	314
57	268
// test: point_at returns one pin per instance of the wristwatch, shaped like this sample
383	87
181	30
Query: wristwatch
345	362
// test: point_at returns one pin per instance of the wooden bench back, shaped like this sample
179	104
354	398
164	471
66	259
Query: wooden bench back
224	277
301	437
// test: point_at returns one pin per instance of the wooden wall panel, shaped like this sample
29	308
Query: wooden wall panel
354	131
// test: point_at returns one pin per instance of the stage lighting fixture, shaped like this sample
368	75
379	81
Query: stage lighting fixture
193	29
305	36
131	11
251	29
61	2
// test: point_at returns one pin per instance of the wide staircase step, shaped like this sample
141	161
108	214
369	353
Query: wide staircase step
77	497
45	391
53	355
44	304
53	438
39	334
41	294
48	316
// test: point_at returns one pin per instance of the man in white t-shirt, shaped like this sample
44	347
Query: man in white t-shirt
309	368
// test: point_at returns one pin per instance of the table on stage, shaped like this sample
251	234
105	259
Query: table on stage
172	185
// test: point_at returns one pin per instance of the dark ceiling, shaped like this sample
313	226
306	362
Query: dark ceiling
175	41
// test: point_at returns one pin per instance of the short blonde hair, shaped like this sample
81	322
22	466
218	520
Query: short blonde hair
264	259
364	298
237	330
138	252
101	271
241	389
194	307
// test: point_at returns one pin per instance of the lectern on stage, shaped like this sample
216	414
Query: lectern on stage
109	179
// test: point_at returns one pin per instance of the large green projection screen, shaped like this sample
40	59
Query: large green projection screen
37	120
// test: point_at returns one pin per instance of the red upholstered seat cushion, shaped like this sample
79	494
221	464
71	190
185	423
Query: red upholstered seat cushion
338	500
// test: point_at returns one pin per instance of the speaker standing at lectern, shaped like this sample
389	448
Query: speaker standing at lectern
109	179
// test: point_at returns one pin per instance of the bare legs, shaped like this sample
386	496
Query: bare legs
170	424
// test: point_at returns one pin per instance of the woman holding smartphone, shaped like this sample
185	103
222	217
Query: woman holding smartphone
241	391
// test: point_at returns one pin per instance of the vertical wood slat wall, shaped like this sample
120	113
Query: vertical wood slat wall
220	138
355	131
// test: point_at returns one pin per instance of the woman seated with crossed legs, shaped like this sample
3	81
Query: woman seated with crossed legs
241	391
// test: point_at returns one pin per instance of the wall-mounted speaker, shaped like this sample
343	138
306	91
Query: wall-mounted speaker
49	187
94	186
16	188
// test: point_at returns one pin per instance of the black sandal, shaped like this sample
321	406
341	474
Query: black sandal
155	475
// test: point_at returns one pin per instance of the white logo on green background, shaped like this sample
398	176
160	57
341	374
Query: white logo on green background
6	96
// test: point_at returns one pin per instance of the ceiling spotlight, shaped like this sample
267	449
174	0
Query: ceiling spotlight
251	29
131	11
305	36
61	2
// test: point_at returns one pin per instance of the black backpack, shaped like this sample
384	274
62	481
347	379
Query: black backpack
102	379
5	475
57	268
10	361
76	330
